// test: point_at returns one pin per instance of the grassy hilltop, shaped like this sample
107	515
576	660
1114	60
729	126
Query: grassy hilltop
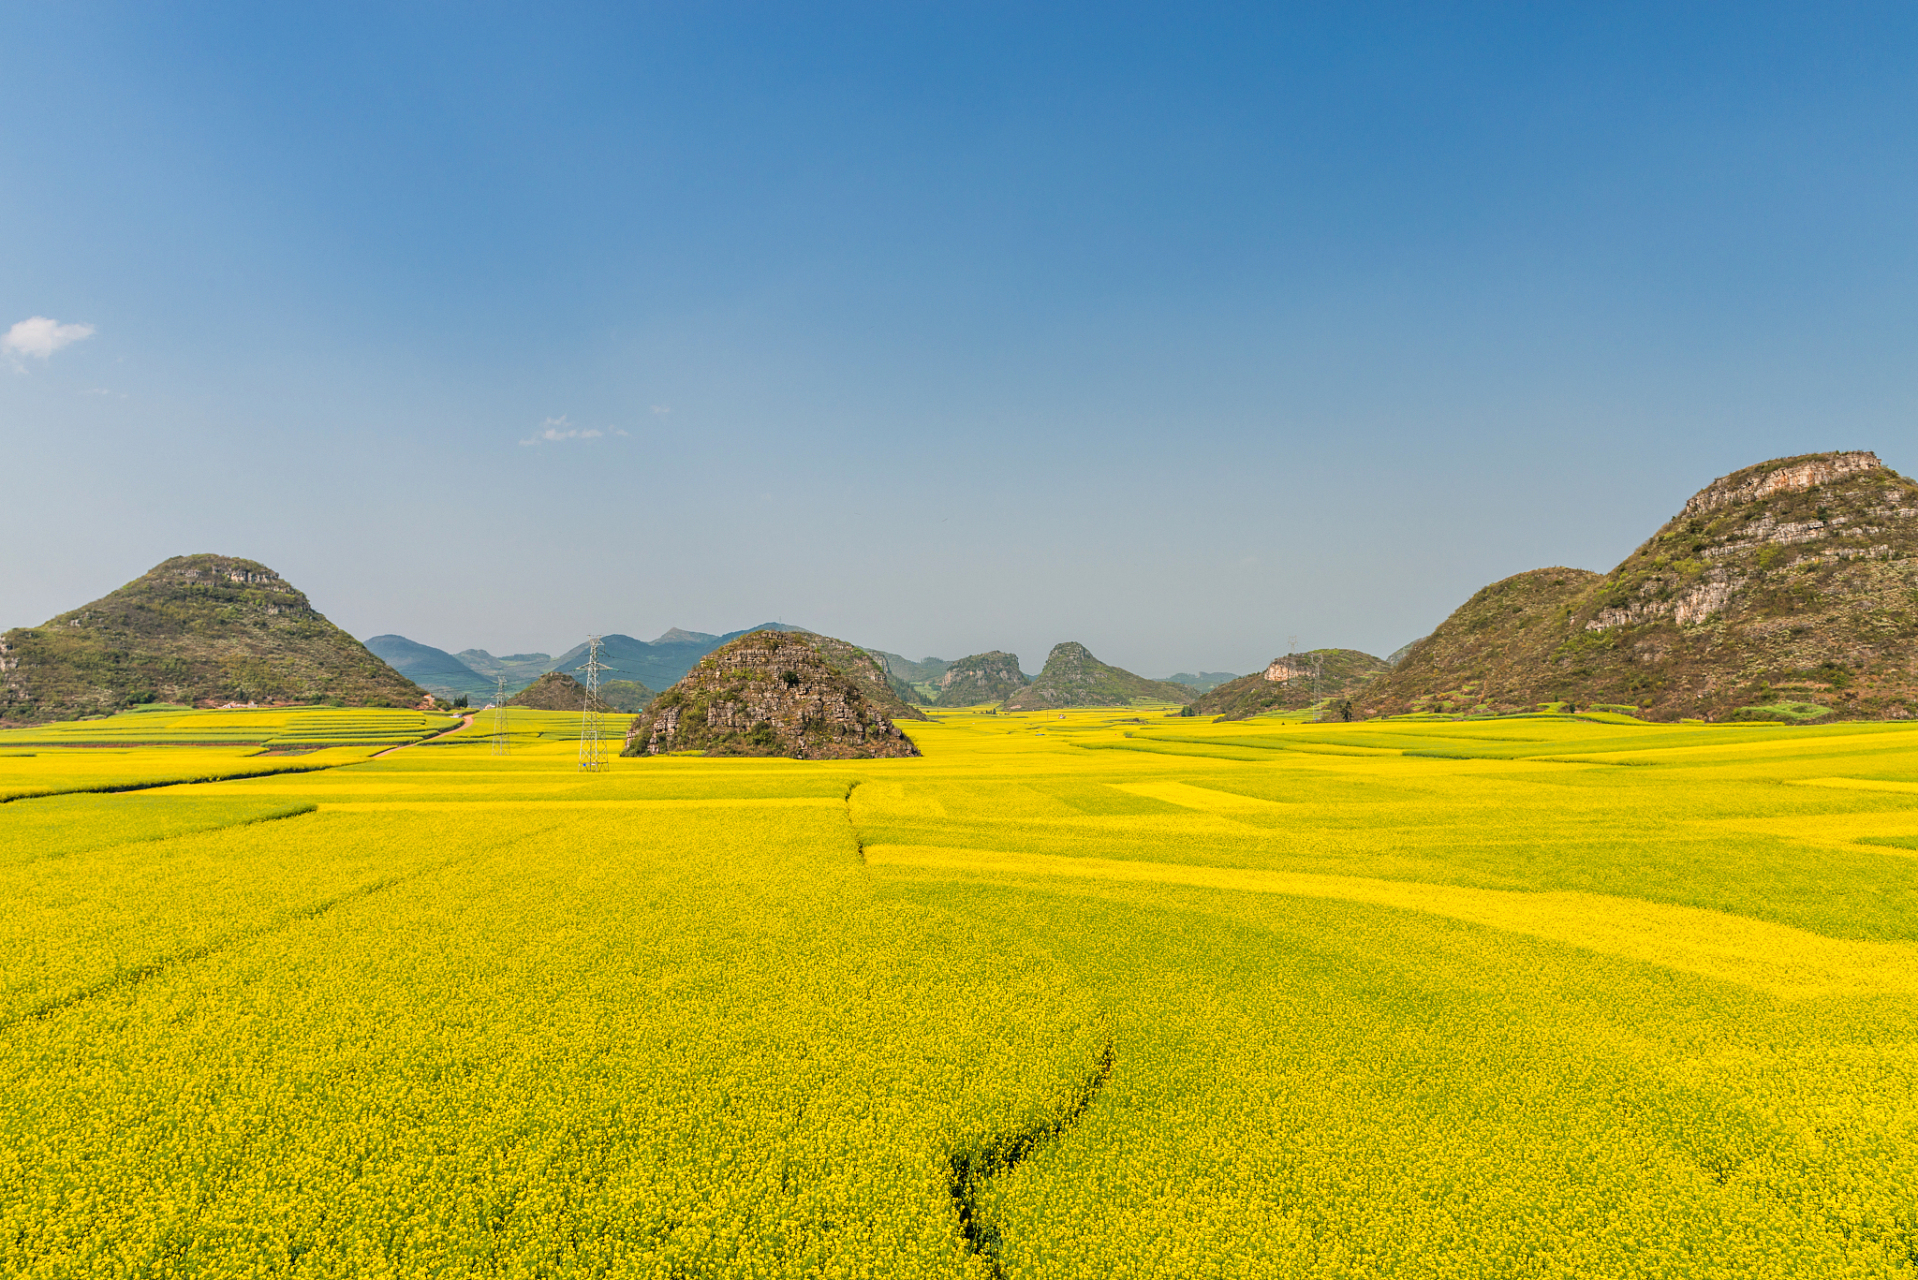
194	629
1787	590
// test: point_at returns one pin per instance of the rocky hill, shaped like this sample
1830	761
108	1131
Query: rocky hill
554	691
980	678
1292	683
1788	583
1074	678
202	630
773	693
889	694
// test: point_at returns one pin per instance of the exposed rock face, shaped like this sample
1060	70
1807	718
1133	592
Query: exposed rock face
981	678
554	691
891	696
1291	683
1789	581
1074	678
771	693
196	629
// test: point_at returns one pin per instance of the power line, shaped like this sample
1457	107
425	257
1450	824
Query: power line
592	756
500	747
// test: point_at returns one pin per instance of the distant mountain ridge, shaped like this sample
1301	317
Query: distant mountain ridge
1203	681
475	672
198	630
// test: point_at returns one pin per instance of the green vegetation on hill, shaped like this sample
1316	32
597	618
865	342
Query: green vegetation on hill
1793	581
194	629
629	696
554	691
1292	683
1074	678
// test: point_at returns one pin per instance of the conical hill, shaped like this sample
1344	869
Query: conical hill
1786	590
774	693
200	629
1074	678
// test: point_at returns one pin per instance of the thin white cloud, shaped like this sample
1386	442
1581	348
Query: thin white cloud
103	391
40	336
554	430
662	409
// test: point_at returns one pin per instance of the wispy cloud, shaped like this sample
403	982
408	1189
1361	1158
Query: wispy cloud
554	430
40	336
104	391
662	409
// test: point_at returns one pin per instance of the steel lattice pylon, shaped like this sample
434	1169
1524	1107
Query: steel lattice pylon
499	720
592	716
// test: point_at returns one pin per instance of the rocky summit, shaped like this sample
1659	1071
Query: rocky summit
1292	683
1787	590
1074	678
980	678
773	693
203	630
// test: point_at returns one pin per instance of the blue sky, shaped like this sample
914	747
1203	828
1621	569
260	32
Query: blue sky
1178	331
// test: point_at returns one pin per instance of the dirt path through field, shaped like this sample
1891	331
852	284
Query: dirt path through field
466	722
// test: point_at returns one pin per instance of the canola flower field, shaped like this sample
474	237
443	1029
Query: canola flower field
1093	994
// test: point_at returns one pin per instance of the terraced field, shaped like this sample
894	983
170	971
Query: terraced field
1073	995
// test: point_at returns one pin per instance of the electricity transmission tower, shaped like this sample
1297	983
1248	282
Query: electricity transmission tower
499	720
591	716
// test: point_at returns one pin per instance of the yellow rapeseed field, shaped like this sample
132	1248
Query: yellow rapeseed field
1079	994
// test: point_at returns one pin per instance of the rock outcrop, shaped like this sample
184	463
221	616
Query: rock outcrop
1074	678
200	629
774	693
1292	683
980	678
1790	583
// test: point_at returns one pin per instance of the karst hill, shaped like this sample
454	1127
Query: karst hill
980	678
1785	589
1074	678
778	693
1291	683
201	630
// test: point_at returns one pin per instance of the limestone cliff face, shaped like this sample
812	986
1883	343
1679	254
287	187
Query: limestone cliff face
980	678
771	693
1074	678
1789	581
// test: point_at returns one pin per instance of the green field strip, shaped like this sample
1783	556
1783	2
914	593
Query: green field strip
54	825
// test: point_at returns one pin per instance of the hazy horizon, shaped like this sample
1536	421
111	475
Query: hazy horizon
943	330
